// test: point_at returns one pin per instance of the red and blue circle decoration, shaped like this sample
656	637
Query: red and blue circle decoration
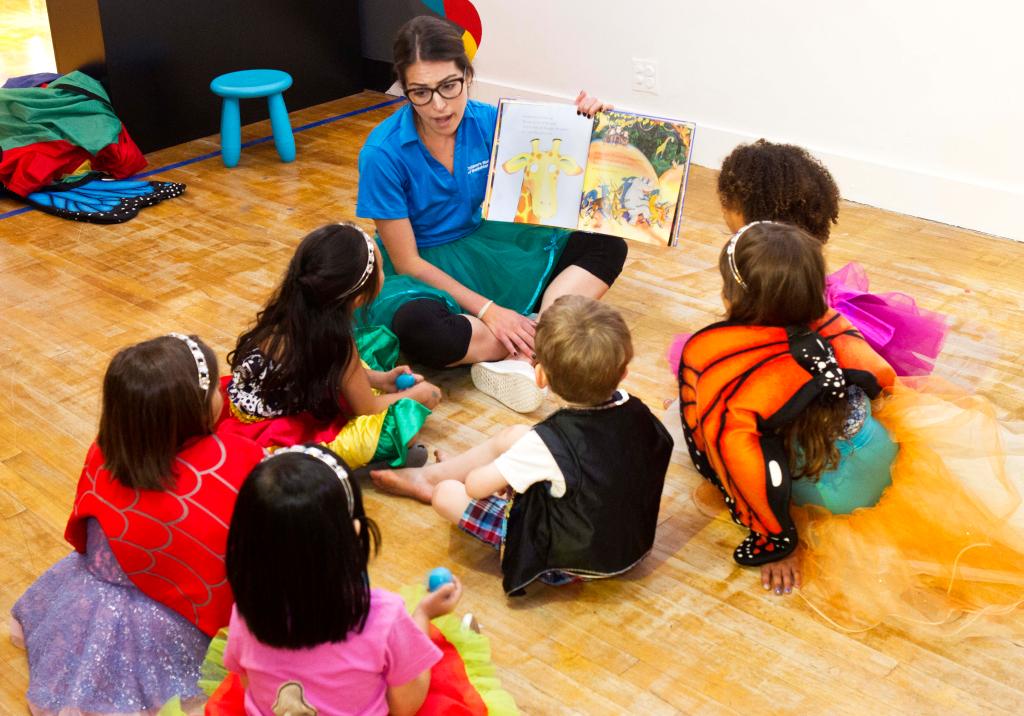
463	14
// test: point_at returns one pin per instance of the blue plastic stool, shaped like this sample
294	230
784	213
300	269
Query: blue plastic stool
247	84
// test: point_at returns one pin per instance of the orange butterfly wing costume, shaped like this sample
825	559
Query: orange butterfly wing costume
739	385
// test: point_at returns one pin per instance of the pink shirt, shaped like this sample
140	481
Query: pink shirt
346	677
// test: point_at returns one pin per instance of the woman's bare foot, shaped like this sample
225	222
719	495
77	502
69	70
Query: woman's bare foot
407	482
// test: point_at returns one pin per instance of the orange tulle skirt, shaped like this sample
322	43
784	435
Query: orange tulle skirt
942	552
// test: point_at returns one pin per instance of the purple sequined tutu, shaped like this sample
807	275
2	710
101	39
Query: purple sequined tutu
909	338
98	645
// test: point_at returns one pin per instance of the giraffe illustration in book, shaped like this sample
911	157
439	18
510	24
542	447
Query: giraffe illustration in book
538	198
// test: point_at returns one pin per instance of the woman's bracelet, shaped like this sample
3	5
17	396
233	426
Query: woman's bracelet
482	311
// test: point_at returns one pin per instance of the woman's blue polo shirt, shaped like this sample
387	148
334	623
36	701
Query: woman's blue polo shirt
398	179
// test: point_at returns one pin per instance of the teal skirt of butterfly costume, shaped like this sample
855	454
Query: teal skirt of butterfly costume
510	264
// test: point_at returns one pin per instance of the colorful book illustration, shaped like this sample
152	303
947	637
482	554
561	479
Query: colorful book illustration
620	173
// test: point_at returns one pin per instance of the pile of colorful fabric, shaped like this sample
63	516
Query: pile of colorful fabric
65	152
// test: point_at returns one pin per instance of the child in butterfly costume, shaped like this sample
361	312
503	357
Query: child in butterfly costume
907	509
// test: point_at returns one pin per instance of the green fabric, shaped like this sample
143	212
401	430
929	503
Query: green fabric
32	115
403	421
378	347
860	478
475	650
510	264
212	671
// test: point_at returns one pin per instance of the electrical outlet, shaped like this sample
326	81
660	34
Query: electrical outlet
645	75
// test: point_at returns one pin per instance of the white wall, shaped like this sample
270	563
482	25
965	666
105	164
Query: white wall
915	106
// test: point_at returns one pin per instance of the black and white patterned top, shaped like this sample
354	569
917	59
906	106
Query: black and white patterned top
246	390
857	411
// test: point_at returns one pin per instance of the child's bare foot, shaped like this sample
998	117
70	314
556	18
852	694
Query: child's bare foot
407	482
440	455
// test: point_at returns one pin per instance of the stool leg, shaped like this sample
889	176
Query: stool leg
284	140
230	132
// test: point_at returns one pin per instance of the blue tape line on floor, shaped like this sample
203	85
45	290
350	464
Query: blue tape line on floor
251	143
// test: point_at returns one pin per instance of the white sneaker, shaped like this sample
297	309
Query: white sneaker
511	382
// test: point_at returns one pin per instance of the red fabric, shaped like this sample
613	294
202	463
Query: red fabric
228	699
27	169
450	693
121	159
285	431
171	544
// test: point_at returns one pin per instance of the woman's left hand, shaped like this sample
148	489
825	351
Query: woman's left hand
589	106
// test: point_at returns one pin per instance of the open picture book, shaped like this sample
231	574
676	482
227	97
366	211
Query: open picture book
619	173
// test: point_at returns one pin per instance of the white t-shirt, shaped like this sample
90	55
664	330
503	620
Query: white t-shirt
529	461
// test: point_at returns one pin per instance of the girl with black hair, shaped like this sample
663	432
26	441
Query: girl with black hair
297	374
121	624
905	510
307	628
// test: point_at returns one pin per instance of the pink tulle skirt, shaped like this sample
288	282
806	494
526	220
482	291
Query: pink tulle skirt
908	337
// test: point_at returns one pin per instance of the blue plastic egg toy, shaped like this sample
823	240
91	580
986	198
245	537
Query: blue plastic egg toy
438	577
405	381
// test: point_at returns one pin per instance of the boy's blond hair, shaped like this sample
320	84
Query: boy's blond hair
584	347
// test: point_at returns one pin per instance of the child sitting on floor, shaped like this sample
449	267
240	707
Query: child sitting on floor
306	619
121	624
764	181
905	510
301	373
583	486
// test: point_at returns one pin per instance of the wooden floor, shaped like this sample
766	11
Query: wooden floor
686	632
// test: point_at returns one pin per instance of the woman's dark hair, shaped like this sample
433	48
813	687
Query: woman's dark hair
152	404
296	564
779	182
429	39
784	272
306	326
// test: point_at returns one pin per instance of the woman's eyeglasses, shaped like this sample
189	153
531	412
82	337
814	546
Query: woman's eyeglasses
449	89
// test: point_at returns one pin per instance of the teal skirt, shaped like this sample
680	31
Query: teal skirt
859	479
510	264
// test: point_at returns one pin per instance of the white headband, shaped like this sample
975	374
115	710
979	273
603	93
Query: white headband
371	259
200	359
730	251
327	459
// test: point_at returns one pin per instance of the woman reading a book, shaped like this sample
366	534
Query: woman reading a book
460	290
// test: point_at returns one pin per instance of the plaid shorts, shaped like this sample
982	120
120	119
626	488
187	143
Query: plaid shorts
485	519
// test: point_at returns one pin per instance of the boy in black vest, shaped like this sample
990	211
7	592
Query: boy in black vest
577	495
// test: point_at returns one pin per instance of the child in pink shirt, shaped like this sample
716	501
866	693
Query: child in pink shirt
308	634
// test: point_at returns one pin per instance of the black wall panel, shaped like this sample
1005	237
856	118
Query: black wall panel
161	55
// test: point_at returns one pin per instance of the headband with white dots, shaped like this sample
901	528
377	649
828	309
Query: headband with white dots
327	459
200	359
730	251
371	260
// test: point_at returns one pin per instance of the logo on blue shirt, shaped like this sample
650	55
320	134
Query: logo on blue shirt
478	167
